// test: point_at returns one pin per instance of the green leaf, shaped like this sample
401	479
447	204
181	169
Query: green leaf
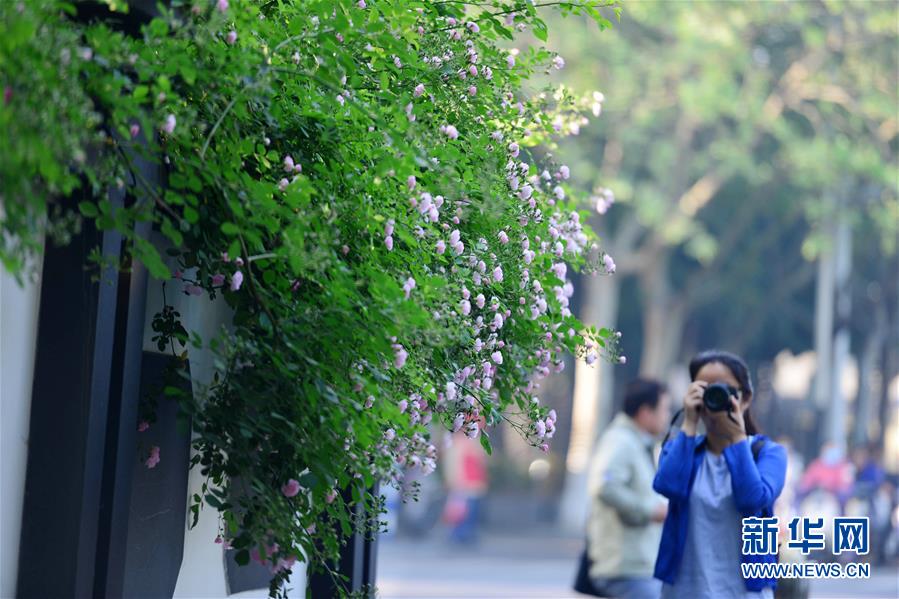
88	209
149	256
540	31
172	233
485	443
191	215
159	28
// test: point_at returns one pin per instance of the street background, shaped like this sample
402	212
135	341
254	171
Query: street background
510	565
742	161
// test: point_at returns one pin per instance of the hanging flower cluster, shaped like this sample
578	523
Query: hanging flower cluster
357	181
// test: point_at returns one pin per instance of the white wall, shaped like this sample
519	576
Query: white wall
202	573
203	568
18	333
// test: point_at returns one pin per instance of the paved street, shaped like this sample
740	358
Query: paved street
531	566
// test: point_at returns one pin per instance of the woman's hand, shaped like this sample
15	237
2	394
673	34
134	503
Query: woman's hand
728	426
693	406
733	428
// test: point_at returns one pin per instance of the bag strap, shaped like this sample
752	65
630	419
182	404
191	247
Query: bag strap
756	449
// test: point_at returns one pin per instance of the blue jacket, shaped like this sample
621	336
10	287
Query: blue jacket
756	484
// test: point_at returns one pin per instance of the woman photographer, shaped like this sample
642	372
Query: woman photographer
713	481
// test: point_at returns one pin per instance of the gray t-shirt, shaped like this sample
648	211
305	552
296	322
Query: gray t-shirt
710	568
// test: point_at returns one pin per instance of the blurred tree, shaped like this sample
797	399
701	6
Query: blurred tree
736	137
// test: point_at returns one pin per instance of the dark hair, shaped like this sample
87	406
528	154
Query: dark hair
737	367
642	392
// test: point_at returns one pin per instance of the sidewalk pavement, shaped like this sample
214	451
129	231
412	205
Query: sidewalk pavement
538	565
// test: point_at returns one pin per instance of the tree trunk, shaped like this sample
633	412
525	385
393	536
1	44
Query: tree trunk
868	387
591	410
664	318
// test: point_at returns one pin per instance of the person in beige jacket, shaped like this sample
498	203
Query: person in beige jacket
624	527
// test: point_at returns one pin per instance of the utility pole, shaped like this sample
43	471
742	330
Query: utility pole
836	417
824	307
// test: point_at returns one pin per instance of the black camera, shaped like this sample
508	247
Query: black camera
716	397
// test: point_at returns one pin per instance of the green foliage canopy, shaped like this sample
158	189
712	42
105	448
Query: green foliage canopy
353	178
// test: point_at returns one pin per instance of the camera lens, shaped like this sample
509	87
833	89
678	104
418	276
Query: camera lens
717	397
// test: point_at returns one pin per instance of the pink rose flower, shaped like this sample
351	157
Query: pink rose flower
231	37
457	422
526	192
408	286
169	125
154	457
290	488
236	280
400	355
609	263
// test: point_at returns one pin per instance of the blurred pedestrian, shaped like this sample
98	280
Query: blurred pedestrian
869	473
713	481
466	479
626	514
830	472
875	493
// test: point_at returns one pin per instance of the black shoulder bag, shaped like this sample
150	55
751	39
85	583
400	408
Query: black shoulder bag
582	582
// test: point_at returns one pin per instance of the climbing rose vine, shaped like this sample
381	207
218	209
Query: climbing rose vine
369	188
